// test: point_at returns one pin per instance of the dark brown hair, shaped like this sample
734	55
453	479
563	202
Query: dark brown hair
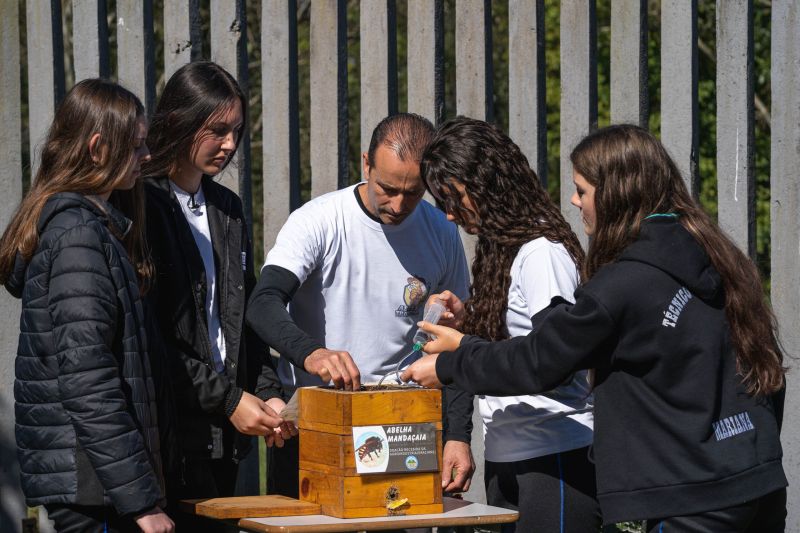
196	92
513	209
93	106
407	134
634	177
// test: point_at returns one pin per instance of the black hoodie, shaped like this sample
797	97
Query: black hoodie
675	432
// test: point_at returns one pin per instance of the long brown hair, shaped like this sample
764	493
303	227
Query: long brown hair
92	106
634	177
513	209
196	92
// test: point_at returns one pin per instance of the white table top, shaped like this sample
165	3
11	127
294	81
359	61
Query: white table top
456	513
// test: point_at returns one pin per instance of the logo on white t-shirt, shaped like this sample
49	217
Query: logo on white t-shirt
414	294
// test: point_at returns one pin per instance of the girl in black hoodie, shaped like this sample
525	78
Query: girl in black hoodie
673	320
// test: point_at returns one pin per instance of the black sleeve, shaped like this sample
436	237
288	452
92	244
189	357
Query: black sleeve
267	384
572	337
269	318
777	403
457	416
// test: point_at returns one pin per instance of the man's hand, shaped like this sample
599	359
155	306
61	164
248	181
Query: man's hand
454	316
334	366
457	466
423	372
254	417
155	521
285	431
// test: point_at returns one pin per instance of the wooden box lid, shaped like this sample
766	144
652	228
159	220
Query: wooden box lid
337	411
249	506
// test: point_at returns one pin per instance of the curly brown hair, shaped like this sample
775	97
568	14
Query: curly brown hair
512	207
634	177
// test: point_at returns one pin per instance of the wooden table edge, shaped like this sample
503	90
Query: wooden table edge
361	524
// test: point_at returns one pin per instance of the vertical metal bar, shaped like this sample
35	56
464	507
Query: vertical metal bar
279	102
629	101
391	59
426	59
46	64
735	128
182	39
679	119
473	60
578	92
229	50
527	113
135	49
785	223
378	32
90	39
328	96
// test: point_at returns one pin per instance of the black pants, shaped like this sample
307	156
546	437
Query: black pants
89	519
201	478
766	514
283	466
553	493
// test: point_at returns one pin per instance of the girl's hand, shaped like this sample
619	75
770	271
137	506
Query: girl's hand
254	417
423	372
454	316
285	431
155	521
445	339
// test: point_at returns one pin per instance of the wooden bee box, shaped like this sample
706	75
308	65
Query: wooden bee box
328	473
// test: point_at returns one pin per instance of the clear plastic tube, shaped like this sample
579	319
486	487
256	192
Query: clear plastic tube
433	312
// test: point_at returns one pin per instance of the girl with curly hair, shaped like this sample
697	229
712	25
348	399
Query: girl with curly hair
689	373
536	446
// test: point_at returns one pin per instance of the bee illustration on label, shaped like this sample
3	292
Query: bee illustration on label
373	445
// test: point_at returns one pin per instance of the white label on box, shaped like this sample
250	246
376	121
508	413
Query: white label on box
402	448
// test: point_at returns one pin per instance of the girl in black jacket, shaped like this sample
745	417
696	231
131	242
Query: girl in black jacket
225	387
86	428
673	320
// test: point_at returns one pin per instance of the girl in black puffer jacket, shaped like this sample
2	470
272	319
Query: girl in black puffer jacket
86	426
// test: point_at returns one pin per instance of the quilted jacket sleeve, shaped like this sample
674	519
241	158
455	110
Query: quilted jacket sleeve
83	306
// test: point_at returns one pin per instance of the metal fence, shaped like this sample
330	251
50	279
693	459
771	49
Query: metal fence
135	68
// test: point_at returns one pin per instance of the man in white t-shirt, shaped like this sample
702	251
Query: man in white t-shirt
357	266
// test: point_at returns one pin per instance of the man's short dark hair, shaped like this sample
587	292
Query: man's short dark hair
406	134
